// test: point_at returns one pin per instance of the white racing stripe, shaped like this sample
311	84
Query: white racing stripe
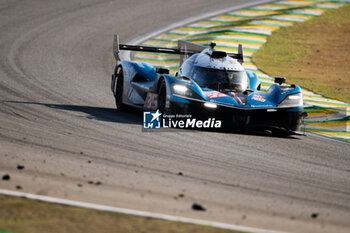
132	212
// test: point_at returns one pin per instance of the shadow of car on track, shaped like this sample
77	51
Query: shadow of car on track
97	113
253	132
104	114
134	116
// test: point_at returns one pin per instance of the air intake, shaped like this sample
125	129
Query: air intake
218	54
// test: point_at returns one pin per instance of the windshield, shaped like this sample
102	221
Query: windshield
220	79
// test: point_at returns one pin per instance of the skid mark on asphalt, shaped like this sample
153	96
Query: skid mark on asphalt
251	27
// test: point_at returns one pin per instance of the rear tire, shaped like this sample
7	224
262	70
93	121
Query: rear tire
118	88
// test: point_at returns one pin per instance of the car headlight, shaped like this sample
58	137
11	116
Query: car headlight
293	100
185	91
180	89
210	105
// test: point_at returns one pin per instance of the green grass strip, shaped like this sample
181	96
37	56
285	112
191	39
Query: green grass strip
219	32
30	216
210	39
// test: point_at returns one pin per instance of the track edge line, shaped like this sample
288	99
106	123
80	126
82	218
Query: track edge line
139	213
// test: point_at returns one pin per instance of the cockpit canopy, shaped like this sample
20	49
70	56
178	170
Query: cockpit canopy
215	70
223	80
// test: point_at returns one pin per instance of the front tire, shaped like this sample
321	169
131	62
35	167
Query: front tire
118	88
162	96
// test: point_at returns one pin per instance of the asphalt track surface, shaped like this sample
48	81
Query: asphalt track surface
57	119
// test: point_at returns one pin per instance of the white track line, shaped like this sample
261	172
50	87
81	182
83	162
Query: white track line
132	212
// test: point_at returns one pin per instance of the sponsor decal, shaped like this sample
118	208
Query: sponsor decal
214	94
151	102
151	120
258	98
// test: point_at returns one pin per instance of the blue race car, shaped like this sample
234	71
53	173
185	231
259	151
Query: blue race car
209	83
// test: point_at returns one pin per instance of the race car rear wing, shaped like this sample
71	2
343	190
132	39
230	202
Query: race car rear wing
185	49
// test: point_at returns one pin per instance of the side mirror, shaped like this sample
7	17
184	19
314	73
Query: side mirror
160	70
280	80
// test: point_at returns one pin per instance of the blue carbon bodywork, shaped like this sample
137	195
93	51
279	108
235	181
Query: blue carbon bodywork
254	99
251	100
277	107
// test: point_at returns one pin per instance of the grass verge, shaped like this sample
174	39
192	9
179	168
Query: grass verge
22	215
314	54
